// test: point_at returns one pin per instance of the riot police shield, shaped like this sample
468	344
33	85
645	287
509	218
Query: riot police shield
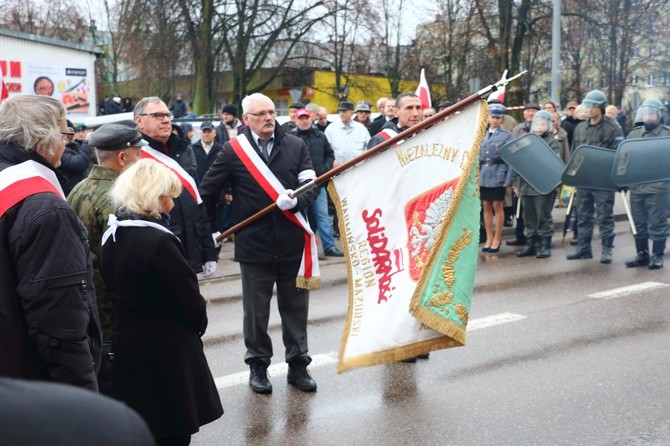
534	161
640	161
590	167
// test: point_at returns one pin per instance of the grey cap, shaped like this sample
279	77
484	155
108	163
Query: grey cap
362	106
117	136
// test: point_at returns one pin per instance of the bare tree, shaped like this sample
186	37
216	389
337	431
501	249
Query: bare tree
198	26
57	19
261	35
507	44
447	48
154	45
605	41
345	52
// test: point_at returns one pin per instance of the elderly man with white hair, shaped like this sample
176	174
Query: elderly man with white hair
263	165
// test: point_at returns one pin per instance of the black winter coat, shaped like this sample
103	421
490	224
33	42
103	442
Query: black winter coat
49	325
188	221
272	238
74	164
319	149
202	159
159	366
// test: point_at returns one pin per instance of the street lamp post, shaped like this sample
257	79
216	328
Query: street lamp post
556	53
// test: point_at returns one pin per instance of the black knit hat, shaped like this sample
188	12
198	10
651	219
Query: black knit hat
230	109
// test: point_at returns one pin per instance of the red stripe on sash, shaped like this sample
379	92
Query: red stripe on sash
22	189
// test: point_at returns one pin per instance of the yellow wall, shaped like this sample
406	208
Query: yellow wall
361	88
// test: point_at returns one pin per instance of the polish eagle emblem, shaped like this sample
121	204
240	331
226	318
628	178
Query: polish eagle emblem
424	216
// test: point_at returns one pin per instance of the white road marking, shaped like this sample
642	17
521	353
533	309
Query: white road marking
626	290
322	359
491	321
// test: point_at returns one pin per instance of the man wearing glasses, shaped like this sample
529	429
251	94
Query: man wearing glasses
188	221
263	165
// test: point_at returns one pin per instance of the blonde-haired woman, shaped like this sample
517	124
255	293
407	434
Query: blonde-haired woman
159	367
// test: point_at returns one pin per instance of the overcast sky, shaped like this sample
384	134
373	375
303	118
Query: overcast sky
415	13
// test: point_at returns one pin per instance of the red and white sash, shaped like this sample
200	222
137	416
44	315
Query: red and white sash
308	276
387	134
26	179
186	180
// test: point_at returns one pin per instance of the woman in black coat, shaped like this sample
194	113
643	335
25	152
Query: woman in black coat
159	366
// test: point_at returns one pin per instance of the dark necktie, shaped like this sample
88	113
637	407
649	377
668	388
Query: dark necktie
263	144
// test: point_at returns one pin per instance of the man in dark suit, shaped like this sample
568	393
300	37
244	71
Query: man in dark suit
264	165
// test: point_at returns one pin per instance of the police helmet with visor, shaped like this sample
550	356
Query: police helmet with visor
650	112
541	123
595	99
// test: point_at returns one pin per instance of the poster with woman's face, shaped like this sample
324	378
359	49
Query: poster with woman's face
70	85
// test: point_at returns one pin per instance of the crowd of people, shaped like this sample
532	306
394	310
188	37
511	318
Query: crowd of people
100	291
589	123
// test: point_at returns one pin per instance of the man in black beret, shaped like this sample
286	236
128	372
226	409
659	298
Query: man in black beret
230	126
292	120
117	145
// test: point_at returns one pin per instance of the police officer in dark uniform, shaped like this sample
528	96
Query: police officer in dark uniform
648	202
598	131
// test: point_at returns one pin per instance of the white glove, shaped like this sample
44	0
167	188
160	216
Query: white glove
215	235
284	202
208	268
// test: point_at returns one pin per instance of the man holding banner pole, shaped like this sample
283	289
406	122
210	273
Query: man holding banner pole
429	262
264	165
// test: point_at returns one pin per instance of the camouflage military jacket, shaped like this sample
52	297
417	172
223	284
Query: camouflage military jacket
90	200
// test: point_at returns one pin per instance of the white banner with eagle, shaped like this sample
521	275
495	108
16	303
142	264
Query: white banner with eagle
394	209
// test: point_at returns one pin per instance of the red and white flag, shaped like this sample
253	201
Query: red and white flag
423	92
186	180
499	94
4	92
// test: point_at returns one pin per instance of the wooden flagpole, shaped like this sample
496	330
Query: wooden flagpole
435	119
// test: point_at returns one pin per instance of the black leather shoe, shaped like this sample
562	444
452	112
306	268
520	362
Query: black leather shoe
334	253
515	242
299	377
258	378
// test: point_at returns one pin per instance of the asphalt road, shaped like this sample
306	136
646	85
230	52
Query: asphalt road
558	353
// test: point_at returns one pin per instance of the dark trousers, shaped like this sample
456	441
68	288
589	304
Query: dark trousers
600	203
258	280
520	226
649	214
537	214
